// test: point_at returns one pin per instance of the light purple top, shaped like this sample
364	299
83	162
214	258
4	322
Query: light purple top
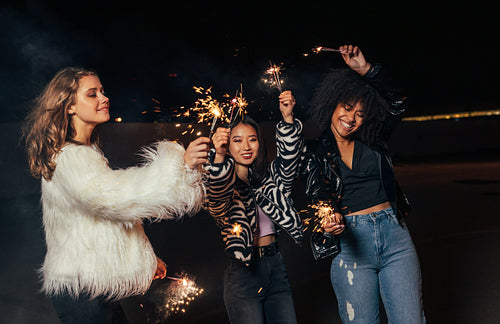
265	224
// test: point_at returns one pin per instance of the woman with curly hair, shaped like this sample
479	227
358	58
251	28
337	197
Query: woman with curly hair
349	167
97	251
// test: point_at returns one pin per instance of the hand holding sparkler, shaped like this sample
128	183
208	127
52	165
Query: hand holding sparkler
287	102
355	59
161	269
325	219
220	139
333	224
197	152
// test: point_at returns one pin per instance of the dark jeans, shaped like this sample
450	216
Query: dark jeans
83	310
259	293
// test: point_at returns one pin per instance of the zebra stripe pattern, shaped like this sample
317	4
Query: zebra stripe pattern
233	203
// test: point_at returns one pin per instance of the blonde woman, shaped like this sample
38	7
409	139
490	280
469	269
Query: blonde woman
97	251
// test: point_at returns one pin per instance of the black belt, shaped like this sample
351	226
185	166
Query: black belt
267	250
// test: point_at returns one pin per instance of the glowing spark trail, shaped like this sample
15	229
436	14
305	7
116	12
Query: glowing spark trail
177	295
209	108
273	78
237	229
324	213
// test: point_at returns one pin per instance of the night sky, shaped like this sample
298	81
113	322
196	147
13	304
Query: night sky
444	55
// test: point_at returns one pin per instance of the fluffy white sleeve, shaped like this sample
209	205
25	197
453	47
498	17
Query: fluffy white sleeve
163	187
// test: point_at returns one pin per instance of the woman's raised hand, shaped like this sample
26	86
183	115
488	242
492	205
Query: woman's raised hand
197	152
287	102
355	59
220	139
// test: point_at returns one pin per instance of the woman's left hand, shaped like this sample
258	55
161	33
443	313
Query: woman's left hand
197	152
161	269
287	102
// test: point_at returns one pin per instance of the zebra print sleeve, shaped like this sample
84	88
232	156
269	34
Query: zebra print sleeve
289	144
220	185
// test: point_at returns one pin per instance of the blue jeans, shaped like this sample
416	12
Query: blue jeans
377	259
83	310
259	293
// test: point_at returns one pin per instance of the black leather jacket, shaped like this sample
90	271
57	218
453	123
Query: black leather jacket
319	171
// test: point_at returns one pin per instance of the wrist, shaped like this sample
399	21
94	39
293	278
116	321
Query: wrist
288	119
219	157
365	69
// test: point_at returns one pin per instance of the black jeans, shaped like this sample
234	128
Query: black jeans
259	293
83	310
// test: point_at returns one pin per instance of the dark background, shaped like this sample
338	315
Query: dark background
444	53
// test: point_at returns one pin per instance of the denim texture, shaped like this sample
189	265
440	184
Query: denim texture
377	259
259	293
83	310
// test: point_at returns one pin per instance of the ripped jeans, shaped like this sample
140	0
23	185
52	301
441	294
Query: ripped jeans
377	259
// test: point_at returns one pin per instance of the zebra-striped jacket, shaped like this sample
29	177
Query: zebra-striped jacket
233	203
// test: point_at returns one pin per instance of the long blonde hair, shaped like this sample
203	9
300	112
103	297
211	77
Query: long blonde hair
47	127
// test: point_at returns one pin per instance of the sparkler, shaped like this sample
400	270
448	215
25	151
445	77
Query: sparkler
179	293
237	229
324	49
207	107
324	213
238	102
274	76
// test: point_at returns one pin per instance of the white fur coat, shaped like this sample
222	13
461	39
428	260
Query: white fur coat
93	215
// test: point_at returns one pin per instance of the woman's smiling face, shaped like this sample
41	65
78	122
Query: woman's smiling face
244	144
346	120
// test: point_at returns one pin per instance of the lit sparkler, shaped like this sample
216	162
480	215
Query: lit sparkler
240	103
324	213
178	295
207	107
324	49
237	229
273	78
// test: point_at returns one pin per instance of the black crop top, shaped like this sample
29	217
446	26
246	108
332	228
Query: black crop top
362	186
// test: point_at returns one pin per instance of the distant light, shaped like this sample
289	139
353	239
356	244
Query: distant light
198	134
456	116
177	125
118	119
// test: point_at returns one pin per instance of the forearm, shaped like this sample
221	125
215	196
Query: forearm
220	185
163	187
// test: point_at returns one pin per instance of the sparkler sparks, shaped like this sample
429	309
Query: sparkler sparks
273	76
177	295
324	213
209	108
237	229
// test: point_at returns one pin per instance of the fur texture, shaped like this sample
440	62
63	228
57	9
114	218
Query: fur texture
93	215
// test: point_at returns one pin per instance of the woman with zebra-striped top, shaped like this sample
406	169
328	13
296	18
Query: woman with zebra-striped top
250	202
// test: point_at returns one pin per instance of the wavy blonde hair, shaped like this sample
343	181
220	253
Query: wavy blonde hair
48	127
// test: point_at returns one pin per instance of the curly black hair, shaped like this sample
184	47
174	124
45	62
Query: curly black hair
344	86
